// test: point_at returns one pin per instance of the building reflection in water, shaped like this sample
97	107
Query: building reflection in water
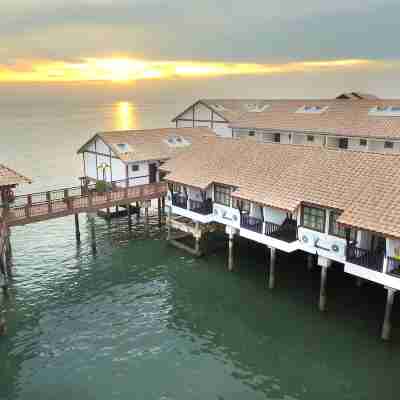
125	116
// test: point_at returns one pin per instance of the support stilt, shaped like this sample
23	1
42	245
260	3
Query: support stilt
159	212
93	234
359	282
77	230
387	325
163	206
146	216
322	292
272	262
169	223
310	261
116	210
197	239
8	255
137	211
230	256
128	207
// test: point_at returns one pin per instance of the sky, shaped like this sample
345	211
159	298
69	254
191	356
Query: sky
126	40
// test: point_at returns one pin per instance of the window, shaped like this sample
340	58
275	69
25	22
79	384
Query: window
242	205
310	138
363	142
314	218
222	195
343	143
122	147
277	137
252	133
388	145
135	168
336	229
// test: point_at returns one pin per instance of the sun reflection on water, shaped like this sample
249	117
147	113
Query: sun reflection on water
125	116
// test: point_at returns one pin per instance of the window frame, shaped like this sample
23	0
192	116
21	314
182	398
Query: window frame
221	193
313	228
333	222
310	138
135	167
245	203
388	144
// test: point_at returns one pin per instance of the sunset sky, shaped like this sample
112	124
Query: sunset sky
127	40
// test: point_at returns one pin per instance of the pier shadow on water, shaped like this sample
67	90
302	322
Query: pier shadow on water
140	319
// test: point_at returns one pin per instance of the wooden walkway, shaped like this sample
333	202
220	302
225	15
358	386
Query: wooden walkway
42	206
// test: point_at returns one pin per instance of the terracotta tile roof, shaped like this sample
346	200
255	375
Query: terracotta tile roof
9	177
152	144
342	118
366	186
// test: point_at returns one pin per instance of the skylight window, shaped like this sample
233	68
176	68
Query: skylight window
312	109
177	141
254	107
122	147
219	107
385	111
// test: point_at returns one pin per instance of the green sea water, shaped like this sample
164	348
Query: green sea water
142	320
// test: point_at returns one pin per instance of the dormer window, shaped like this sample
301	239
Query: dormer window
254	107
311	109
385	111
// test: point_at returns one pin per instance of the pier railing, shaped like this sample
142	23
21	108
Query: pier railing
286	231
68	200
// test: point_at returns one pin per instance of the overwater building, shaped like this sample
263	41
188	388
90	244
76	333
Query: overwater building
352	121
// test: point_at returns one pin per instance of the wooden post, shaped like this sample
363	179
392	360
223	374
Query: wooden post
159	212
230	256
387	325
77	230
3	273
197	239
272	262
129	217
169	223
322	291
108	214
137	210
93	235
163	206
48	199
28	210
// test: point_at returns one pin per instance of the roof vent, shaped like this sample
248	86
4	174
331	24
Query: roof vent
177	141
254	107
312	109
385	111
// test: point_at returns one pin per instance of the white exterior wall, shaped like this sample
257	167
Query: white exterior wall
90	165
184	124
274	215
222	129
354	144
202	112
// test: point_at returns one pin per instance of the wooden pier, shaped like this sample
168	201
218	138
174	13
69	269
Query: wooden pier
43	206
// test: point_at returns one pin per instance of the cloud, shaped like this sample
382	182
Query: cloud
127	70
260	31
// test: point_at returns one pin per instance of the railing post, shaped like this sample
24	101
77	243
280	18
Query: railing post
28	207
48	199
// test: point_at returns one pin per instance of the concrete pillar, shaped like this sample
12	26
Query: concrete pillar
197	238
230	256
128	207
146	215
322	291
310	261
77	230
387	325
272	262
159	212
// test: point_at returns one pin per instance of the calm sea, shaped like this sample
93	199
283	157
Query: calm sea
141	320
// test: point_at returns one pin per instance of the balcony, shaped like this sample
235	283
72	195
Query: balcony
201	207
393	266
286	232
179	200
251	223
365	258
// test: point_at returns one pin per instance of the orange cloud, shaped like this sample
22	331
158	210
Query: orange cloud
127	69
